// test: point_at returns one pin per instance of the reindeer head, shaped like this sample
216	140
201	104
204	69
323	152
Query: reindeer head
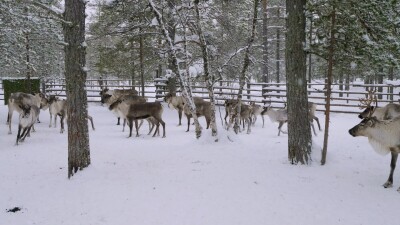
361	128
52	99
44	102
26	110
105	98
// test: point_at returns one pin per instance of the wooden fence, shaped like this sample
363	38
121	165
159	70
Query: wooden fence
274	94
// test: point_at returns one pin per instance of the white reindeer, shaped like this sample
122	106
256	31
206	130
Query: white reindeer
27	118
384	137
18	99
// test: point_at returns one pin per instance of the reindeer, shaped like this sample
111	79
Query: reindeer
256	110
58	107
203	108
110	96
245	114
227	104
27	118
281	116
121	105
384	137
142	111
19	98
178	103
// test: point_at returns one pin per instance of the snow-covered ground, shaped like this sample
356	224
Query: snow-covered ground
179	180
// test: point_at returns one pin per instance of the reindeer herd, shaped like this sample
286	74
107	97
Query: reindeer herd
380	125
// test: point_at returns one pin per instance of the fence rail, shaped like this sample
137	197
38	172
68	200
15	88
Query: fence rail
274	94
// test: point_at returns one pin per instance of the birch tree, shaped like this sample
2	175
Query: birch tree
246	63
185	85
208	79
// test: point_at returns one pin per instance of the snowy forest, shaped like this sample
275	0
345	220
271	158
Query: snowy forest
301	64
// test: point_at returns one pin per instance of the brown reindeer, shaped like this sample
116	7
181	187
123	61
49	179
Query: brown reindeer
245	115
110	96
203	108
178	103
142	110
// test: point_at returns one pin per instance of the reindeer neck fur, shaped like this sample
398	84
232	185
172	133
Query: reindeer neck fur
379	113
27	119
176	102
384	135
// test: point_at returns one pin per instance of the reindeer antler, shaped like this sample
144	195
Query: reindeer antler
366	102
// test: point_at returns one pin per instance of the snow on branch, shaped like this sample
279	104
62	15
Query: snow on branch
58	13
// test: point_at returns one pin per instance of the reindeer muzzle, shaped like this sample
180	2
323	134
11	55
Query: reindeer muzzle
359	116
352	132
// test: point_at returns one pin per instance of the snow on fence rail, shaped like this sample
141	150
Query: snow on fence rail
274	94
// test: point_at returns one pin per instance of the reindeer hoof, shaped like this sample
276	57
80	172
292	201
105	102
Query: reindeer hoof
388	184
163	136
9	132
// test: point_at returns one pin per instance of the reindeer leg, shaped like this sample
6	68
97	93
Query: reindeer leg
28	130
280	128
316	119
118	120
137	128
18	135
163	125
51	117
151	127
389	182
188	119
62	124
157	127
248	120
180	116
313	128
130	124
9	122
91	121
262	117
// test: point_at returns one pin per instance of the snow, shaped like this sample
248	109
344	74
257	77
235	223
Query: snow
179	180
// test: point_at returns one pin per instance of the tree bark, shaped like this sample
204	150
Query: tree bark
329	86
265	42
299	132
185	86
209	82
75	76
246	63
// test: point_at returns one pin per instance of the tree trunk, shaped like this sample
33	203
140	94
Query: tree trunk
246	63
28	66
299	132
340	82
277	53
329	86
380	81
185	86
390	77
141	58
309	54
75	76
209	82
133	66
265	44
